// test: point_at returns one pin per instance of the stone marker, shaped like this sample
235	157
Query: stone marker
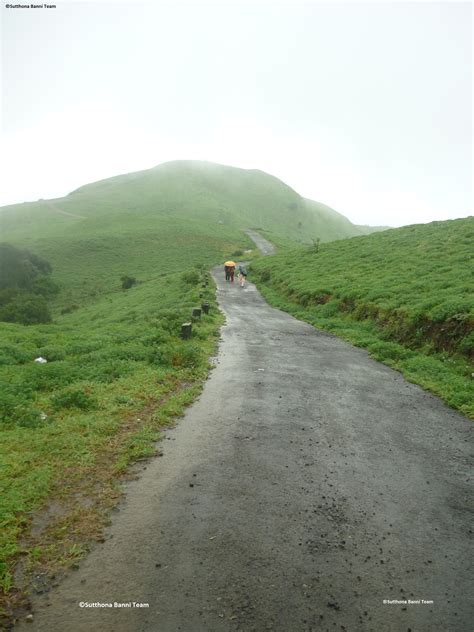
197	312
205	307
186	329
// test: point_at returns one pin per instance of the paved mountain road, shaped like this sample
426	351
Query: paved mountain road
306	485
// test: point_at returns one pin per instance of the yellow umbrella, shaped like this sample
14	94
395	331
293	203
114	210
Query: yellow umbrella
230	263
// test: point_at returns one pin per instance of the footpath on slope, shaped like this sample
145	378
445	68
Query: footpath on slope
266	247
304	487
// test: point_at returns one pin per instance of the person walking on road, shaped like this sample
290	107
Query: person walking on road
229	268
242	276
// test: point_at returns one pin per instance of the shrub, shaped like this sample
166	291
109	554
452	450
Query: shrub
74	398
28	417
107	371
18	354
48	377
170	320
191	277
188	356
19	268
45	287
127	282
389	351
162	355
26	309
329	309
16	409
52	353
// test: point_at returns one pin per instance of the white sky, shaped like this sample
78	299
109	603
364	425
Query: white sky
366	107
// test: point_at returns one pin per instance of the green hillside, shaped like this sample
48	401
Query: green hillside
406	294
135	223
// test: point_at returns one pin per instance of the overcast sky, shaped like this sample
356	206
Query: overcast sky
366	107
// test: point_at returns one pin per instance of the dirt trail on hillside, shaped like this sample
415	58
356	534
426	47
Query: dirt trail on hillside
53	207
266	247
304	487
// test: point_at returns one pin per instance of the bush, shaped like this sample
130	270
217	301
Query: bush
28	417
26	309
170	320
48	377
74	398
16	409
52	354
162	355
20	268
106	371
127	282
188	356
191	277
45	287
18	354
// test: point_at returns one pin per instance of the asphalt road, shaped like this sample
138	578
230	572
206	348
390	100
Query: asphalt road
306	485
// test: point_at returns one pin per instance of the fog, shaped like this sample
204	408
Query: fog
365	107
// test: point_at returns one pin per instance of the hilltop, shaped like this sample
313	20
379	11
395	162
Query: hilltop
144	222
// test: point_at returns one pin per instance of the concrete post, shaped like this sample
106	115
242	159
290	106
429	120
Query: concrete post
186	329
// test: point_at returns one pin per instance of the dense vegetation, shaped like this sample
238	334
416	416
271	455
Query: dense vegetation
117	372
406	294
25	286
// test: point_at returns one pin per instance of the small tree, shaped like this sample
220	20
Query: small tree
316	243
127	282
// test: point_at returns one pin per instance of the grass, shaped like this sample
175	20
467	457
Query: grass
117	373
404	294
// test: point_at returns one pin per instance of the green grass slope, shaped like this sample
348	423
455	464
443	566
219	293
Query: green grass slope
117	372
137	223
406	294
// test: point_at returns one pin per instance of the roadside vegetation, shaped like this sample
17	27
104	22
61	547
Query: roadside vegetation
25	286
115	276
117	372
405	294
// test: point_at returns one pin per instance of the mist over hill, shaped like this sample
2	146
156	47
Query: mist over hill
195	191
145	223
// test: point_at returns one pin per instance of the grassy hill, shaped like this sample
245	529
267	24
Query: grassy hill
137	223
406	294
